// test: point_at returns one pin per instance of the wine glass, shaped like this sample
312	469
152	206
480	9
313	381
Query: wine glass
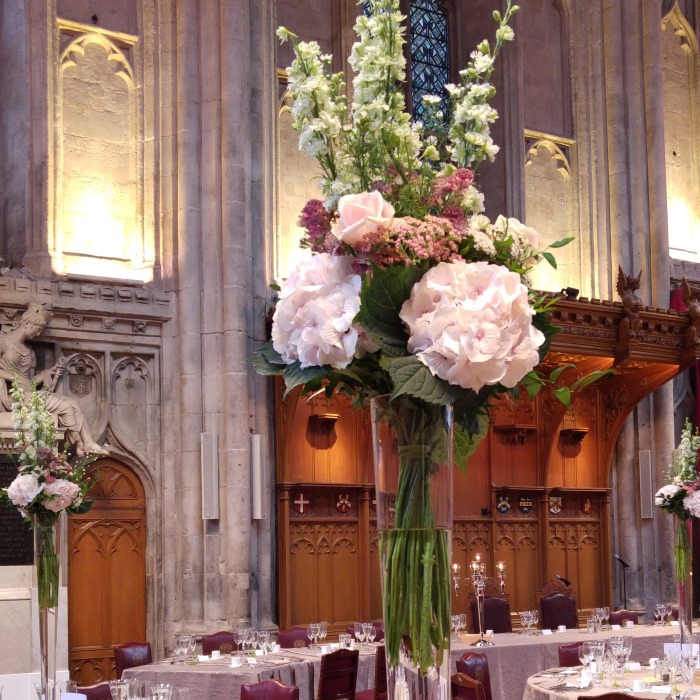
358	631
371	634
323	630
119	690
535	617
252	640
366	626
599	616
263	640
272	641
606	614
462	621
191	644
658	613
238	637
178	649
585	654
669	611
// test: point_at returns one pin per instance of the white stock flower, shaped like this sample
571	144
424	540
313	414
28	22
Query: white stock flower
313	319
360	214
665	493
24	489
470	323
63	494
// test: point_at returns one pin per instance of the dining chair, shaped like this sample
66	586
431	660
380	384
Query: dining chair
608	696
466	688
619	617
379	692
269	690
338	675
99	691
496	615
476	666
130	655
568	654
294	637
225	642
557	606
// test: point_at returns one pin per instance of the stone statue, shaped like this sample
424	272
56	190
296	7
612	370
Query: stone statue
691	299
631	303
18	362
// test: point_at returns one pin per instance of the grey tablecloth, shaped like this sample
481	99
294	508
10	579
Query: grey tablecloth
515	657
216	680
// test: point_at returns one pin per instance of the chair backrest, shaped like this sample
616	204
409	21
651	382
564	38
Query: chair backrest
225	642
568	654
496	615
558	609
99	691
466	688
619	617
476	666
380	673
338	675
293	637
269	690
608	696
131	654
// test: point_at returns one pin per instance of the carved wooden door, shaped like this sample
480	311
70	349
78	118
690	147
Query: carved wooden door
106	573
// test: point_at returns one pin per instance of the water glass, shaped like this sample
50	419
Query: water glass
344	641
162	691
119	690
462	621
137	690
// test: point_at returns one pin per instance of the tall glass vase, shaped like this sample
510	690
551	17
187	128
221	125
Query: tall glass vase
47	542
413	458
684	559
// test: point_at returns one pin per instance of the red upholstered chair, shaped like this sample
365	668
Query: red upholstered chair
293	637
476	666
568	654
225	642
496	615
99	691
466	688
379	691
609	696
338	675
131	654
557	606
619	617
269	690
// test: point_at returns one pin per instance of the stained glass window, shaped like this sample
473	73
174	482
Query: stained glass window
429	54
428	38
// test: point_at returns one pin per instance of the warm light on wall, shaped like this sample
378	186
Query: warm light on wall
683	231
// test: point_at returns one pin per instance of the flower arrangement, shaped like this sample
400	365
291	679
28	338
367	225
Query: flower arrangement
46	484
410	291
681	497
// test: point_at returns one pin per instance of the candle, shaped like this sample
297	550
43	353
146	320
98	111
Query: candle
455	568
501	566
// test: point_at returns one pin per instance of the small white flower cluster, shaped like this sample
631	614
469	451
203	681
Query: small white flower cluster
313	320
470	323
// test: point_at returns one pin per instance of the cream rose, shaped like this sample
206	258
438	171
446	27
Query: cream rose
360	214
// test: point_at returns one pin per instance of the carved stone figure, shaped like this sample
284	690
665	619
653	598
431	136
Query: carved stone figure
18	362
631	303
691	299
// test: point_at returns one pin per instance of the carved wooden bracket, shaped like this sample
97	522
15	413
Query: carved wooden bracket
514	434
573	436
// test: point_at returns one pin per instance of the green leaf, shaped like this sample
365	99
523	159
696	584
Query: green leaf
383	293
532	383
564	395
266	360
412	377
83	508
555	373
541	322
561	243
466	441
296	375
549	258
583	382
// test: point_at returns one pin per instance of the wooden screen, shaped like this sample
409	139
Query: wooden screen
106	573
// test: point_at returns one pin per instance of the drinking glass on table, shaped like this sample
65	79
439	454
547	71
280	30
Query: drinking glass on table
263	640
535	618
462	622
659	609
272	641
238	637
454	623
371	633
585	654
252	640
161	691
359	633
119	690
669	611
322	630
137	690
191	644
606	614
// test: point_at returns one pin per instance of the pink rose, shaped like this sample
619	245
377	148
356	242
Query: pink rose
24	489
62	495
360	214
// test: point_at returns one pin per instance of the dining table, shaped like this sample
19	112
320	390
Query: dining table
513	659
217	679
565	684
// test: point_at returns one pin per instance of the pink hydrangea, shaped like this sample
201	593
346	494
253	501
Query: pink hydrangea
313	320
62	493
471	324
24	489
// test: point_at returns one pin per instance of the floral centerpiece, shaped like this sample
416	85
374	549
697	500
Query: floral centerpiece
681	497
410	291
46	486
